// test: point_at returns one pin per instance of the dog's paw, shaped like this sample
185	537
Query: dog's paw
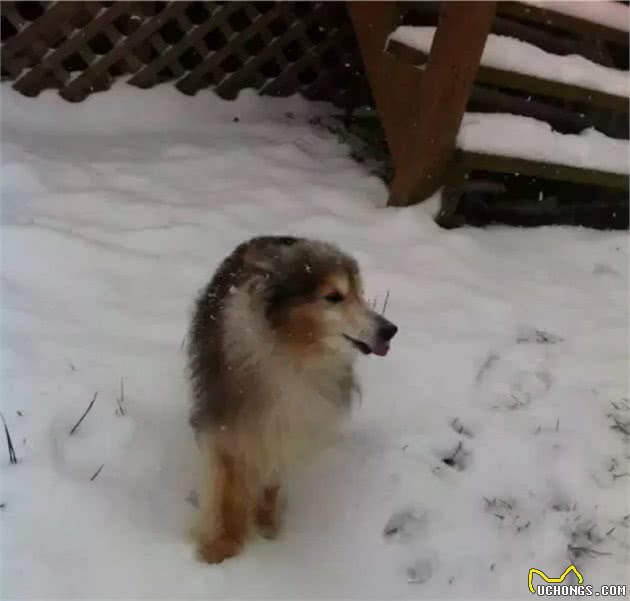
217	550
268	514
269	530
268	523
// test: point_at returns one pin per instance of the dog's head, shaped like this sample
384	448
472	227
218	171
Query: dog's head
313	297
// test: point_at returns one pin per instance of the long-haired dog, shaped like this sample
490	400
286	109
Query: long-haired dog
272	346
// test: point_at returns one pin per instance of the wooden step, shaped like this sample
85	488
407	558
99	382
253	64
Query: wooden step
510	63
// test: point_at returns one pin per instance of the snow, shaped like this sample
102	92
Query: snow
509	54
528	138
610	14
489	439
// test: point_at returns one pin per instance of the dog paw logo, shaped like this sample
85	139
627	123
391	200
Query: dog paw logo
546	578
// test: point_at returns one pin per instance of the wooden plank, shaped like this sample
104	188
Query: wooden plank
463	163
521	81
551	18
447	81
189	84
77	88
56	13
501	164
484	99
373	22
280	84
29	83
148	75
231	82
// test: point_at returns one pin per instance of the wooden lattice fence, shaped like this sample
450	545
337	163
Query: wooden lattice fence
277	48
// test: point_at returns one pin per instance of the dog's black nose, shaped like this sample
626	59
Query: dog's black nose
387	331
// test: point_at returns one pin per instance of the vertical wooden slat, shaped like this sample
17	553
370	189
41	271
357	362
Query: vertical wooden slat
421	110
447	82
395	85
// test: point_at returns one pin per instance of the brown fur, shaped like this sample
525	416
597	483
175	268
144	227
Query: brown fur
271	367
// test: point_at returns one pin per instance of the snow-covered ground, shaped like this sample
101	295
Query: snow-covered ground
490	440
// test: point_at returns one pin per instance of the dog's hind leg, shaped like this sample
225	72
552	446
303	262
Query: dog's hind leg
267	512
225	506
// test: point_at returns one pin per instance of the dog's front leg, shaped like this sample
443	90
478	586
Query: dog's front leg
224	509
267	513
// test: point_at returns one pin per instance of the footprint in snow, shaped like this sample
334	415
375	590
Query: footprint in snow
535	336
405	524
421	571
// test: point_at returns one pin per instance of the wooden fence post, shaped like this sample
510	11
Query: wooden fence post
421	110
395	85
448	79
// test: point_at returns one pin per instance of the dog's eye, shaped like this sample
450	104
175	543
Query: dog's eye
334	297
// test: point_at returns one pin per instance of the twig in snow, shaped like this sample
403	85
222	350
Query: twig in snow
460	428
523	527
615	476
385	303
589	532
487	364
121	400
610	531
181	346
12	455
619	425
451	460
578	551
74	428
96	473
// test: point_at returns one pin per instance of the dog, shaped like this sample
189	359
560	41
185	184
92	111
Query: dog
271	349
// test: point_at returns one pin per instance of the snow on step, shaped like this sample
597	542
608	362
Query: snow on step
610	14
509	54
523	137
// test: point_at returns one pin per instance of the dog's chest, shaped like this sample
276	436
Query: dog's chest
303	415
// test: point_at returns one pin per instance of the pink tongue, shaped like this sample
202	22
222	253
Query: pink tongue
381	348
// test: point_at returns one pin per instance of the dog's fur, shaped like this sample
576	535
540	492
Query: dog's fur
271	352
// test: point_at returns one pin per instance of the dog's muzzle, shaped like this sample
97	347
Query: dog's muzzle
385	330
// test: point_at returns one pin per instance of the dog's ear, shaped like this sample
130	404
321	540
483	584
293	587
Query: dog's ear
259	261
263	254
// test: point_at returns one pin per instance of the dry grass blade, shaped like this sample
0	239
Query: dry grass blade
620	426
385	303
12	455
588	551
451	460
74	428
121	400
96	473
